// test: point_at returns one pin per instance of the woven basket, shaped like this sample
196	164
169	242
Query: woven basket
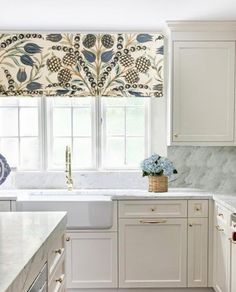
158	184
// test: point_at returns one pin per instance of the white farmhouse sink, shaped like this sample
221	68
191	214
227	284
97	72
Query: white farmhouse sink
76	192
83	211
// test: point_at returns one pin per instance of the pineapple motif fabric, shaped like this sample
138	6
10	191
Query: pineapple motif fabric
78	64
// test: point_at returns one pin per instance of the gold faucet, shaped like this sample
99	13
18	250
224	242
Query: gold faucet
69	180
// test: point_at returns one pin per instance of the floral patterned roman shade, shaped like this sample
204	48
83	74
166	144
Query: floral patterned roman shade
79	64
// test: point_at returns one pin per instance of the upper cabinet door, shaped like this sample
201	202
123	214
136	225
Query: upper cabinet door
203	92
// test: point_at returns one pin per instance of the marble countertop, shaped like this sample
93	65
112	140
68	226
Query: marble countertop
228	200
103	194
22	234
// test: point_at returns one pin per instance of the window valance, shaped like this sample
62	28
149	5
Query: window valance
79	64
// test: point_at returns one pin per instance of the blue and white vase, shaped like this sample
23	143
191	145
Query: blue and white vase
4	169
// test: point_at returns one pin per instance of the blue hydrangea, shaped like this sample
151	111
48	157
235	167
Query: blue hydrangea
157	165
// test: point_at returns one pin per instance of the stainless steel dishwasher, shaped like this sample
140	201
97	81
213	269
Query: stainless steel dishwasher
40	283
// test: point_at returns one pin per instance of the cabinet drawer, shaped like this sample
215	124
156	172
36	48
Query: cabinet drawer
56	253
58	279
158	208
198	208
5	206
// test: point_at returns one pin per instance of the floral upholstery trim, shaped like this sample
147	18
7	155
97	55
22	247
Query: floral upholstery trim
79	64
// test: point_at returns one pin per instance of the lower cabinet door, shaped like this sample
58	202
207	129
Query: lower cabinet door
221	263
91	260
197	252
152	253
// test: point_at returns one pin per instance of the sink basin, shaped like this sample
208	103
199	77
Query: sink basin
83	212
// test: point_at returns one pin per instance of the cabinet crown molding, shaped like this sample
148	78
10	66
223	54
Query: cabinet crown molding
201	26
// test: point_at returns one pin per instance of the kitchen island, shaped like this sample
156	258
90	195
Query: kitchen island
27	241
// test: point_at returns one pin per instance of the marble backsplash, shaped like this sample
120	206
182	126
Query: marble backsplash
209	168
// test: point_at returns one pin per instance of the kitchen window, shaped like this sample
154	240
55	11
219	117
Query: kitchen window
104	133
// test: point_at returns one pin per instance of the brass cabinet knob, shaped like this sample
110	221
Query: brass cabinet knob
197	209
59	280
190	225
59	251
176	135
153	209
68	238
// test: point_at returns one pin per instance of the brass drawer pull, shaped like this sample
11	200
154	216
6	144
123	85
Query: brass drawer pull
218	228
221	215
152	221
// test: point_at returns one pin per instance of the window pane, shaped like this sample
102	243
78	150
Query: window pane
115	123
80	102
135	119
9	149
29	153
27	102
29	122
82	152
115	152
114	101
59	148
57	102
62	122
135	151
8	101
81	121
8	122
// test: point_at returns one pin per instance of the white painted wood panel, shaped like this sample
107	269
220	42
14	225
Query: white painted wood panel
197	252
203	91
152	253
157	208
92	260
221	260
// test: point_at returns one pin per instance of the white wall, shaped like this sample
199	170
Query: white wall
138	15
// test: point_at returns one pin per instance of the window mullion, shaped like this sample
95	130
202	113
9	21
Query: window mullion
125	136
99	132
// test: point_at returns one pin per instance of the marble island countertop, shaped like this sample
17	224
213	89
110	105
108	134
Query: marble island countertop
24	238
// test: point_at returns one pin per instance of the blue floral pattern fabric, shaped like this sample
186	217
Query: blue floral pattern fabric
79	64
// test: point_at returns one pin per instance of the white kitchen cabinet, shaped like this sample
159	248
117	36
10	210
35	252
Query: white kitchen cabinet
202	97
152	252
197	252
232	256
221	261
91	260
233	266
